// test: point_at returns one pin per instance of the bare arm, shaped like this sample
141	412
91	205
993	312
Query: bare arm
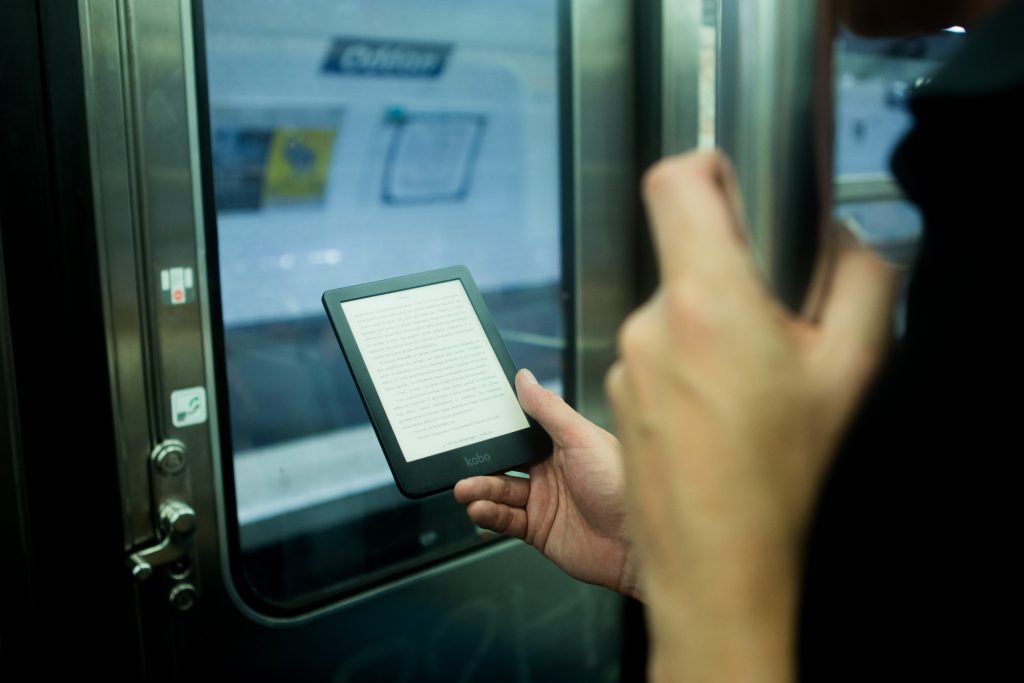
729	410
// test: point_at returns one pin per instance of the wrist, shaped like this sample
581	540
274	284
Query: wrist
741	625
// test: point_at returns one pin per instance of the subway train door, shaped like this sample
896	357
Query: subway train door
249	154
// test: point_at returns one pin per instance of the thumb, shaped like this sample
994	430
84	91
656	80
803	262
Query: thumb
857	318
557	418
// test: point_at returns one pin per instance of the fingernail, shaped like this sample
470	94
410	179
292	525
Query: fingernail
528	376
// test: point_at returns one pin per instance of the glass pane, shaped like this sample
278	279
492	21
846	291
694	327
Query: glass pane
353	141
874	78
893	229
890	227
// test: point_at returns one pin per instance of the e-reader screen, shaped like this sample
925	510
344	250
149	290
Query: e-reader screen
435	377
433	368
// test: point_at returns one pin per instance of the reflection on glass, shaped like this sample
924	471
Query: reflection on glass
353	141
431	157
874	79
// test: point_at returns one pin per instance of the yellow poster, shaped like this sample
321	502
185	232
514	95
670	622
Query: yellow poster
297	164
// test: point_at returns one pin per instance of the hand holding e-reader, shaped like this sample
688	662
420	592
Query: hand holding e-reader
435	377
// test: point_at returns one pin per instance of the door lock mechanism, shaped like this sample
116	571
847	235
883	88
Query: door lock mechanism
177	524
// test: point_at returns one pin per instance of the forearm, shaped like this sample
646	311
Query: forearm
738	626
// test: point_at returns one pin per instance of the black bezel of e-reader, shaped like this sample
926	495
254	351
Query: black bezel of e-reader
439	472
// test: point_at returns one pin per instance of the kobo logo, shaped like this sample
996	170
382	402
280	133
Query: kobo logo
478	459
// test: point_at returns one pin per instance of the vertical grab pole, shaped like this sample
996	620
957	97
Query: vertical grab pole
771	75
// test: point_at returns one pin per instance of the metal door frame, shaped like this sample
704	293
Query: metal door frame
141	101
56	399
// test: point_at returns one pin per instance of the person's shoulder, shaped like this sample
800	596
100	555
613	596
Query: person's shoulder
991	61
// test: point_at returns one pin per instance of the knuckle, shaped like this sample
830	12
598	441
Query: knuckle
509	526
673	173
711	164
714	160
502	520
613	383
688	310
633	336
663	176
506	489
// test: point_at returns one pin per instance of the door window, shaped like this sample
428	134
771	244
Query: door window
351	141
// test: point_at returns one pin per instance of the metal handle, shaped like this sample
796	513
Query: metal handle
766	123
177	522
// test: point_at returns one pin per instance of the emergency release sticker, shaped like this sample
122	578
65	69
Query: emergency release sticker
188	406
177	285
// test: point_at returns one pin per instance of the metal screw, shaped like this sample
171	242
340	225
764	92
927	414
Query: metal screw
169	457
183	597
180	569
141	572
178	517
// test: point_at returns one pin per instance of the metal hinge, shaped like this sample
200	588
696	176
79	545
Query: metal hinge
176	525
177	522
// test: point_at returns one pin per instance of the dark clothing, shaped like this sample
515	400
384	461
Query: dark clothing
909	569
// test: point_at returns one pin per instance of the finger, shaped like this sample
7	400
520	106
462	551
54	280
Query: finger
502	519
693	220
557	418
499	489
616	391
821	278
857	320
621	400
731	188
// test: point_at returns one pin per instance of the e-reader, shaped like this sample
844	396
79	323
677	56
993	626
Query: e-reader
435	377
